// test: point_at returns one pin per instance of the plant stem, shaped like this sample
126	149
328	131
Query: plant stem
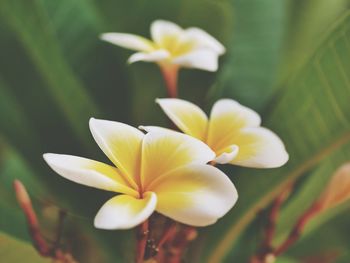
298	229
142	237
32	221
39	242
272	219
170	75
61	216
180	243
169	232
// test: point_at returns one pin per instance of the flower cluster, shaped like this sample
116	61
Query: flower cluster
163	171
167	171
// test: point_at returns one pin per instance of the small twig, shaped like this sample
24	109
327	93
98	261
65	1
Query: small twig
33	226
180	243
142	237
272	219
38	240
167	237
297	229
169	232
61	216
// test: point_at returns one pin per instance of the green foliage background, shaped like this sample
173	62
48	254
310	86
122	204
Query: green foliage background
288	59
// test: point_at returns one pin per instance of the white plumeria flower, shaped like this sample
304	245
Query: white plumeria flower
233	132
172	45
163	171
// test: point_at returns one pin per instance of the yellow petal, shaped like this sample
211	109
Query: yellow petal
195	194
124	212
165	33
187	116
259	148
227	117
90	173
165	150
122	144
337	190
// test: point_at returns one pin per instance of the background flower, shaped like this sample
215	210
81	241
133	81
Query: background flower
191	48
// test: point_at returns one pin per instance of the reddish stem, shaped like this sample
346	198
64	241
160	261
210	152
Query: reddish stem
272	219
170	231
180	243
32	221
298	229
142	241
170	75
38	240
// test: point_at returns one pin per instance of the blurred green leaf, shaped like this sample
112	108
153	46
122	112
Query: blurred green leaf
312	117
250	67
306	28
329	241
307	191
14	251
34	31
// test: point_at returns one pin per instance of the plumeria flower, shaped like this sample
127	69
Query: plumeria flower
170	44
233	132
163	171
171	47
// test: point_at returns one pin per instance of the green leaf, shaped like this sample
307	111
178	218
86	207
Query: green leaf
305	31
331	240
312	116
250	67
34	31
307	191
14	251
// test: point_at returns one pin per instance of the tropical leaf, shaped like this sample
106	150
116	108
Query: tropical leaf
13	251
309	190
305	31
312	116
35	33
249	71
333	232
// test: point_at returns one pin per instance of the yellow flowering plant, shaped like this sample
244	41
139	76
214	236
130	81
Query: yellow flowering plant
166	171
242	156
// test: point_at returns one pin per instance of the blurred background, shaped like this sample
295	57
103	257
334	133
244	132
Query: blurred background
287	59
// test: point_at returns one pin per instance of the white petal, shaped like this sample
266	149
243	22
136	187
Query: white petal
205	40
88	172
227	117
157	55
162	28
195	194
124	212
204	59
260	148
165	150
122	144
228	155
129	41
187	116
